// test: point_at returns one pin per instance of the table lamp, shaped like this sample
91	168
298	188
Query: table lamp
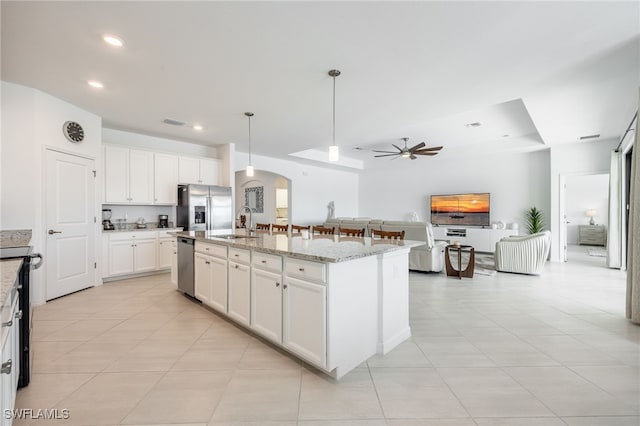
590	214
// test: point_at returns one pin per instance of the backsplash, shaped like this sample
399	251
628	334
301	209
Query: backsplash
130	214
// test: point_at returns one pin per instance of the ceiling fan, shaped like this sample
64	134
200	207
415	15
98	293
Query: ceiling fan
409	152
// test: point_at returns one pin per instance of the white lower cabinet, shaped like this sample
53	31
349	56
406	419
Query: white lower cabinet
9	360
129	254
202	277
165	252
239	292
211	281
304	320
174	262
145	256
133	252
266	304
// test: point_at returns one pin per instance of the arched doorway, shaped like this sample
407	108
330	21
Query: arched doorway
267	193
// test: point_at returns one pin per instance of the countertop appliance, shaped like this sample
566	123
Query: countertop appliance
163	221
106	220
186	283
205	208
26	254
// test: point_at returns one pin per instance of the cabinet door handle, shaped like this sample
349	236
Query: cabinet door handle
264	261
236	255
277	284
285	286
237	266
6	367
301	269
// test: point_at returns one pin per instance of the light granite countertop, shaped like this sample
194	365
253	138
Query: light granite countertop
8	273
320	248
132	229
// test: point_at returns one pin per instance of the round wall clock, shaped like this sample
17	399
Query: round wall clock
73	132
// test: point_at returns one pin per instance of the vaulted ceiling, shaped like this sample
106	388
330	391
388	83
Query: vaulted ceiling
533	73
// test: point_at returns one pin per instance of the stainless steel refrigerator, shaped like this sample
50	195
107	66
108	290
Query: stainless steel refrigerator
205	208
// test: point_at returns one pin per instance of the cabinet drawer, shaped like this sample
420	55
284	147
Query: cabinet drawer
269	262
239	255
211	249
304	269
142	235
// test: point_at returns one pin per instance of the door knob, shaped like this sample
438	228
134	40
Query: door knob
51	232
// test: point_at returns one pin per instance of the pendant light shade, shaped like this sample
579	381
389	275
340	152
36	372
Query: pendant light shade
334	151
249	166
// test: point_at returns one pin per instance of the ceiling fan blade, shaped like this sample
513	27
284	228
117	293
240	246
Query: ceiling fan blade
397	147
386	155
435	148
420	145
425	153
386	152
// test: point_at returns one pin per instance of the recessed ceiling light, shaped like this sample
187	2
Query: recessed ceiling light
113	40
95	84
197	127
474	124
505	136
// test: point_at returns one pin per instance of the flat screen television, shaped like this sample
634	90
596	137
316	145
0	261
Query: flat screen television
472	209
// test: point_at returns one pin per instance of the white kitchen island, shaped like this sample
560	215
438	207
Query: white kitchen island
332	301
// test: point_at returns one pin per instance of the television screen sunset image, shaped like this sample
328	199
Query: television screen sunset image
460	209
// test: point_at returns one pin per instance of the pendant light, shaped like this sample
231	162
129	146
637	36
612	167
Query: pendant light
334	151
249	166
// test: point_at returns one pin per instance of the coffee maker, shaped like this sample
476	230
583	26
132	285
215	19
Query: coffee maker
163	221
106	220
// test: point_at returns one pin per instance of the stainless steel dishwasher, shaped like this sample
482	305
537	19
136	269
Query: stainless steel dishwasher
185	266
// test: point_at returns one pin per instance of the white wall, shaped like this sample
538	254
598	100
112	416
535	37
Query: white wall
31	122
574	159
586	192
312	187
515	181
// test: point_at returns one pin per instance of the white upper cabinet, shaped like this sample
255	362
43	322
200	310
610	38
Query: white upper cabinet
199	170
140	176
165	178
128	176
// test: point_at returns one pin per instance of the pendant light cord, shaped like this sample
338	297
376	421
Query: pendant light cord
249	115
334	110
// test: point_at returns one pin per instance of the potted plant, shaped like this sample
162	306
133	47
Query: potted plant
535	220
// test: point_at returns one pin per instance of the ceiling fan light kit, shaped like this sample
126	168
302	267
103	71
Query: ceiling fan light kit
406	152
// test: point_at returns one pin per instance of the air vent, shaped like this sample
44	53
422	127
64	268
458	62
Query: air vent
173	122
584	138
474	124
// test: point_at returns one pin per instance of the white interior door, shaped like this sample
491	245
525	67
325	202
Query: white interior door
70	247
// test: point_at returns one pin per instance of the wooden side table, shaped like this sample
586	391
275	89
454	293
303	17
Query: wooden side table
468	271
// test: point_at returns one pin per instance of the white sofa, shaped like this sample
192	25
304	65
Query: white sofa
428	258
523	255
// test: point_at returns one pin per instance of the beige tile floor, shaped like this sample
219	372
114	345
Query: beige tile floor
506	350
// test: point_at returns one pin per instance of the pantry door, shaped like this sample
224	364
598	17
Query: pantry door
70	221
